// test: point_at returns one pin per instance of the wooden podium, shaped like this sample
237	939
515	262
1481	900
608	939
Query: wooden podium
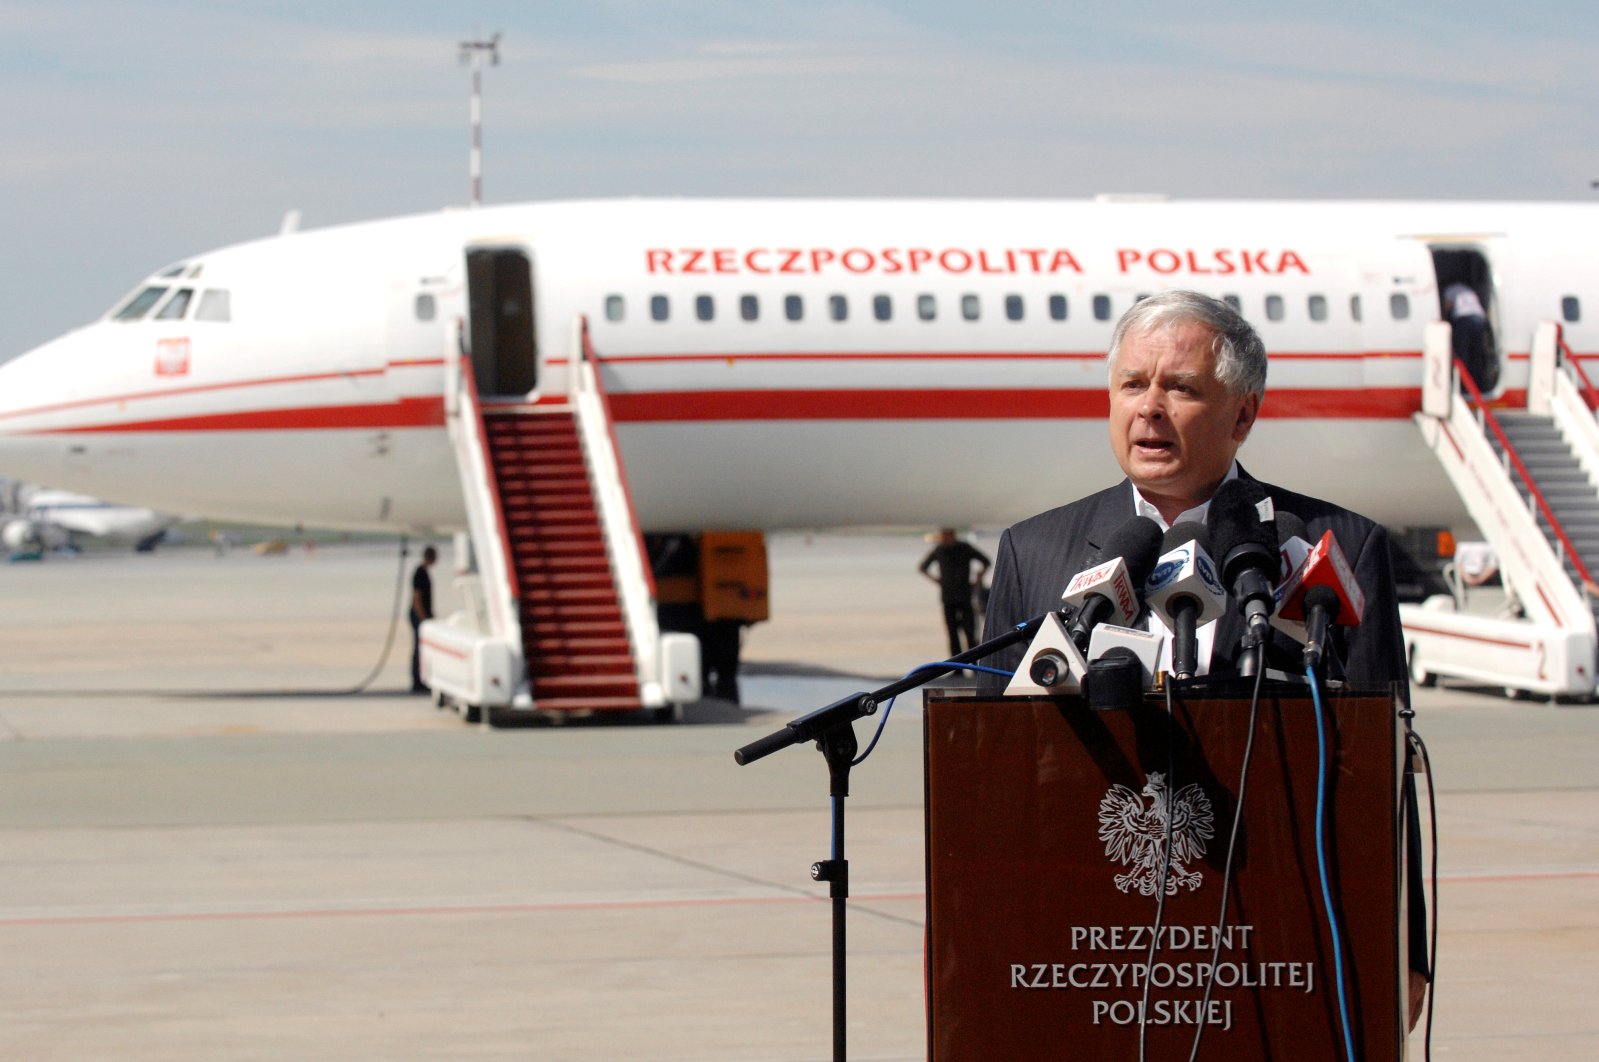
1045	821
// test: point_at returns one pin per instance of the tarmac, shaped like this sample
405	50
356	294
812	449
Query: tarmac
209	852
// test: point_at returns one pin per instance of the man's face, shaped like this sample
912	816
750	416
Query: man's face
1174	427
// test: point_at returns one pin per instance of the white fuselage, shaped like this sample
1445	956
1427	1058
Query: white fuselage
314	395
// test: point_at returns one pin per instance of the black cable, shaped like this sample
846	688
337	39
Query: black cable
1432	944
394	626
888	705
348	691
1232	844
1165	870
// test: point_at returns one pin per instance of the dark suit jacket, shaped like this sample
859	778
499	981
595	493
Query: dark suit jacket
1038	557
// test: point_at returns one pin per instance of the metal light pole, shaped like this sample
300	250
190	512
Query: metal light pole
473	52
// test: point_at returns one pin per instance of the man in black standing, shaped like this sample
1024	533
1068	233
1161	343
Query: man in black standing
954	559
421	609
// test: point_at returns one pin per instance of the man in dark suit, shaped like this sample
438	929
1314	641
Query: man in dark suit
1187	376
1038	557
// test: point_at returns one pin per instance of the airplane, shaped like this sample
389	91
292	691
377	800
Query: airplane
42	519
778	364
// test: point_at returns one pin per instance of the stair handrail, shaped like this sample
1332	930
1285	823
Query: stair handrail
588	376
1485	417
1590	394
1571	408
618	516
472	452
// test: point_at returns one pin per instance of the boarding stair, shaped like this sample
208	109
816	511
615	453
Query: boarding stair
574	638
1528	479
560	617
1546	460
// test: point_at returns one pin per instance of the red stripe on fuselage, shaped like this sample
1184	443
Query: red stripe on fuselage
422	412
670	407
170	392
778	404
953	355
974	404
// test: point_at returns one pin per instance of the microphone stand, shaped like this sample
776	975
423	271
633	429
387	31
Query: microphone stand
833	730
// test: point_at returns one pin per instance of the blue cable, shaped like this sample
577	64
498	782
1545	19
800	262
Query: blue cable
1321	862
889	707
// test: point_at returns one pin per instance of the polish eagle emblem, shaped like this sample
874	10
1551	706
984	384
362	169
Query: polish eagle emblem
1135	828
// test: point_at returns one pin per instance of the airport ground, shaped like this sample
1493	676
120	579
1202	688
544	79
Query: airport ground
206	852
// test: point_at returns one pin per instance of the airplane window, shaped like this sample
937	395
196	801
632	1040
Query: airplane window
176	306
1571	309
660	310
705	307
970	307
427	307
1318	307
838	307
882	307
1235	302
793	307
1057	307
749	307
1354	307
140	304
615	309
1013	307
215	305
1101	307
1274	307
1399	306
174	270
926	307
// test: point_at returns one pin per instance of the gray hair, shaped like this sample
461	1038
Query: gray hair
1240	355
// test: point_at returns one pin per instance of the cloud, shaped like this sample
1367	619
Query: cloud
722	69
344	51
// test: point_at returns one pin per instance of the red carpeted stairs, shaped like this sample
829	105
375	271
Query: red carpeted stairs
578	657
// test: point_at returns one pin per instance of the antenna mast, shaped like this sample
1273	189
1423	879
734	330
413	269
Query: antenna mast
473	52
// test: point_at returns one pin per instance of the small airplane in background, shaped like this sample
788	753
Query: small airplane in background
39	519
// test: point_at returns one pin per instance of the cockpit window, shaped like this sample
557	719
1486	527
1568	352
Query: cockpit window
176	306
215	305
173	270
140	304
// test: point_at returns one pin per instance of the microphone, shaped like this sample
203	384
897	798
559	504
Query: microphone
1244	531
1108	592
1185	591
1052	662
1292	548
1322	592
1293	543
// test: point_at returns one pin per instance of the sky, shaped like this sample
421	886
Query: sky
136	133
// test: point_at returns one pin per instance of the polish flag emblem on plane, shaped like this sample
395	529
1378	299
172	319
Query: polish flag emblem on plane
172	357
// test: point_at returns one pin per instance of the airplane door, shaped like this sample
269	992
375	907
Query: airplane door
1476	341
500	321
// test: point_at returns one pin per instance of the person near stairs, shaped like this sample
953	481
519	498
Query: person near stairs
421	609
1470	336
